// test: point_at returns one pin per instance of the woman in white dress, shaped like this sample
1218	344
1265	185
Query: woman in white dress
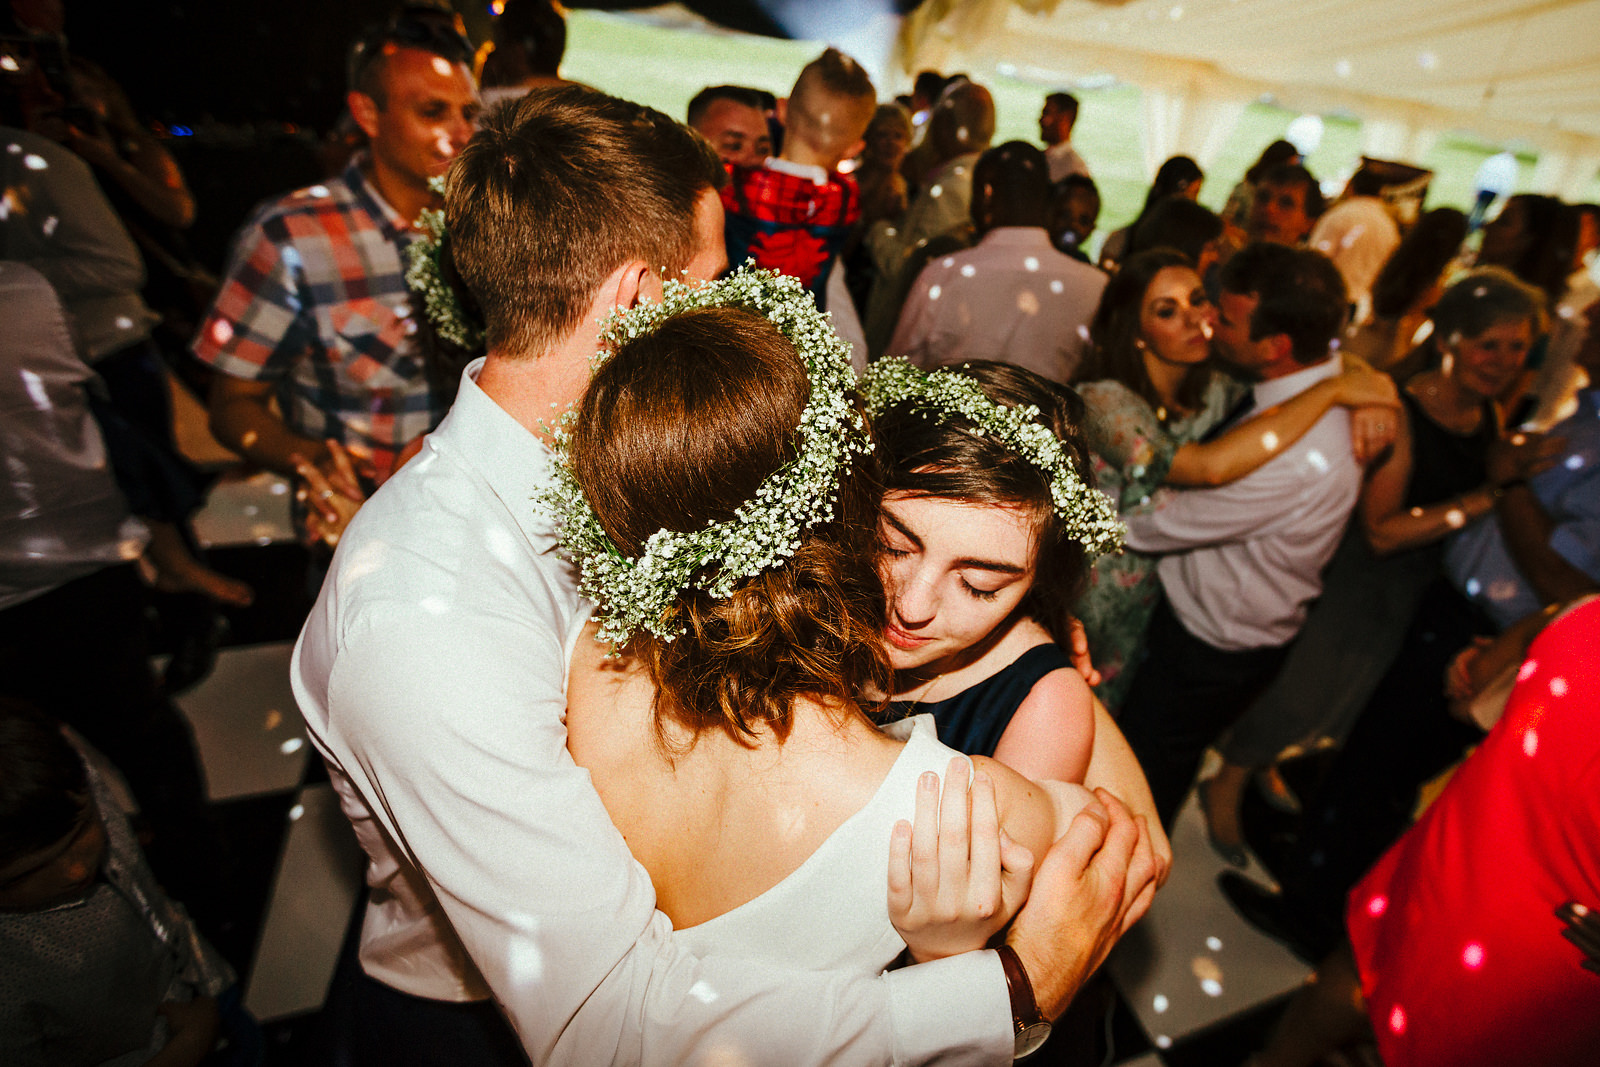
721	514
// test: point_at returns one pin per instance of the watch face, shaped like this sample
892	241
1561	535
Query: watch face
1030	1037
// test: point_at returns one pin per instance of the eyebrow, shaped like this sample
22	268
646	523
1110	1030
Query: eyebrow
967	561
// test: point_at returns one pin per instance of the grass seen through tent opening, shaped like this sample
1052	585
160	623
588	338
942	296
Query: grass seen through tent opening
663	66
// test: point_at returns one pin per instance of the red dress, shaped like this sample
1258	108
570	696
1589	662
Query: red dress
1461	955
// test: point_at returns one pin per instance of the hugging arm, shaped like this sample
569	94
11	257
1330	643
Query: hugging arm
1250	444
1095	876
557	916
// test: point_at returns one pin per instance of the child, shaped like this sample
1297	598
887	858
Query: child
792	213
97	964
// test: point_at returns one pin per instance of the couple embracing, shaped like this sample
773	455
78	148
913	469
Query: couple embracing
738	852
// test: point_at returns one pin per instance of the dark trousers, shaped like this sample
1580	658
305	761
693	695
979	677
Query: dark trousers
81	653
1404	737
1187	693
379	1026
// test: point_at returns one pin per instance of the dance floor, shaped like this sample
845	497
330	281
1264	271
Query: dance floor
1194	984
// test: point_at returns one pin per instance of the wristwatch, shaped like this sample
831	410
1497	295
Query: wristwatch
1032	1028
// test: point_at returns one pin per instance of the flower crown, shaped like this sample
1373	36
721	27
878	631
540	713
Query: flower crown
638	594
1089	515
425	276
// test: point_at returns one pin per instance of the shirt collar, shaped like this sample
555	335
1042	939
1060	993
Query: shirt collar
1278	390
818	175
1018	237
366	194
515	463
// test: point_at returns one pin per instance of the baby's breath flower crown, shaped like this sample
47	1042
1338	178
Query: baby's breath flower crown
425	275
632	595
1089	515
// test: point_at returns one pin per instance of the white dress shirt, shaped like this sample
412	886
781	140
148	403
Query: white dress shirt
431	675
1013	298
1064	160
1243	561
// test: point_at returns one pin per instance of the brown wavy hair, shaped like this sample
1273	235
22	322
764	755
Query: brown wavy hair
677	430
948	457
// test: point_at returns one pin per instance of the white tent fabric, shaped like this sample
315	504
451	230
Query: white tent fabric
1507	70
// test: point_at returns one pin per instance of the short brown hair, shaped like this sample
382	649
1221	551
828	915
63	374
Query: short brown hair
677	430
1299	293
1484	298
554	192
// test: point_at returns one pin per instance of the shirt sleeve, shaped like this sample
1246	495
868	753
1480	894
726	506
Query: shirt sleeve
91	252
1577	534
549	903
1197	518
257	325
912	335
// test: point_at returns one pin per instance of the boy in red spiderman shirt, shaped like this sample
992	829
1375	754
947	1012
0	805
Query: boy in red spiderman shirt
791	214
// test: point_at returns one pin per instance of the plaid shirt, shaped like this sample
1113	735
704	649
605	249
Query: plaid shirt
315	301
788	222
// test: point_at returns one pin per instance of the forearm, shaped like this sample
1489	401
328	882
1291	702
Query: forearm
250	427
155	183
1247	446
1527	529
1114	768
1411	527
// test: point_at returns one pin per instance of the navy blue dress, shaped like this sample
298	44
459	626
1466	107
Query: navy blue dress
973	720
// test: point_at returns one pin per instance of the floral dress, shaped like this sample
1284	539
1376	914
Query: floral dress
1132	452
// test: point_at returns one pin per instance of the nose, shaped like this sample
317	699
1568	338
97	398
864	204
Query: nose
916	600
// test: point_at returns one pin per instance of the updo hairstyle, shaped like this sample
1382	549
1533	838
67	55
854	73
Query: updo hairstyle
947	457
677	430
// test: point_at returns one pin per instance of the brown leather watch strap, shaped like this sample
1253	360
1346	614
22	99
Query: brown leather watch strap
1024	1008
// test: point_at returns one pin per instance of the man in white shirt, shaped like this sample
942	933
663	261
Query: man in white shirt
1056	119
1242	562
431	676
1013	298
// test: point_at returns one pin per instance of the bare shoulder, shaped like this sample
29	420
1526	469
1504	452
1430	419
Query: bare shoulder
609	702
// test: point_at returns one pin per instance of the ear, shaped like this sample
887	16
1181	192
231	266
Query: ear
782	111
1282	346
364	110
625	287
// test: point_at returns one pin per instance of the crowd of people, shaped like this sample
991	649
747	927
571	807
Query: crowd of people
814	674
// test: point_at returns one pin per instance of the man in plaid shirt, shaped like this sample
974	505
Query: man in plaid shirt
314	311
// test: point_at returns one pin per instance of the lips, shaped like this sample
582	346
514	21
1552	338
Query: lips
906	642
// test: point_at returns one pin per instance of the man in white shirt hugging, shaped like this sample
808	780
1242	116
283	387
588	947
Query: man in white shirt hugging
431	676
1242	562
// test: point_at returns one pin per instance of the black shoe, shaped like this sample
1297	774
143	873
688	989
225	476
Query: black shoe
1270	913
1269	834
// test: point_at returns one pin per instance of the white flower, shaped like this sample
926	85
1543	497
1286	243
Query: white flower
1089	515
639	594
